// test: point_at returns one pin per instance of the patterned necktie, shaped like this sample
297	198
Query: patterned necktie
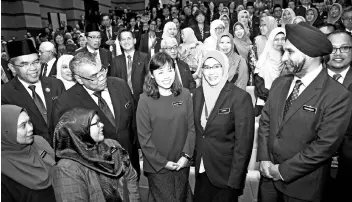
294	95
109	34
45	68
39	103
336	77
104	107
201	32
129	72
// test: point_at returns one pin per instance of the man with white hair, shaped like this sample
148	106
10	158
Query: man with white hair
47	54
170	47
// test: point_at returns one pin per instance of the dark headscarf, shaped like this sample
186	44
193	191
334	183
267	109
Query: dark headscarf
20	162
72	141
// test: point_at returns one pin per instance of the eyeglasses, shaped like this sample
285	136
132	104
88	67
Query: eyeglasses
220	28
206	67
26	64
94	37
283	39
42	52
343	49
96	123
347	19
97	76
174	48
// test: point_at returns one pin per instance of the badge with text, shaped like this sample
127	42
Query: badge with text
224	111
309	108
128	105
179	103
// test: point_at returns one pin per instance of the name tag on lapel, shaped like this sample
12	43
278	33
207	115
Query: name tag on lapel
128	105
309	108
179	103
113	149
224	111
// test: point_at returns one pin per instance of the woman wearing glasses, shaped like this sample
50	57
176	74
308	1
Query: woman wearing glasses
90	168
166	132
217	27
224	122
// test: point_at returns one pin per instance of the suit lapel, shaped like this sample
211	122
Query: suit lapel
282	100
103	58
124	67
198	109
348	79
113	91
135	61
47	91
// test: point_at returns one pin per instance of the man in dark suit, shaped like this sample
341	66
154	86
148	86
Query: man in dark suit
253	20
93	43
136	32
109	34
82	23
132	65
303	121
47	54
6	74
150	43
110	97
26	90
183	72
166	16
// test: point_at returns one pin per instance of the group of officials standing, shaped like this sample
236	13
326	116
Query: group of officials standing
305	121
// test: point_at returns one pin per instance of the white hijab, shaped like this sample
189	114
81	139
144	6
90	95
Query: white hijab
64	60
211	42
167	26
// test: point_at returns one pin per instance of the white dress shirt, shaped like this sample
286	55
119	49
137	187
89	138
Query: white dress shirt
127	54
105	95
150	43
109	30
49	66
343	74
38	89
97	52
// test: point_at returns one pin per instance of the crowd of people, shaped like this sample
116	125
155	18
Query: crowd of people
199	85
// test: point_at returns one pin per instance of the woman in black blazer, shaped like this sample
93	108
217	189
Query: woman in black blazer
224	123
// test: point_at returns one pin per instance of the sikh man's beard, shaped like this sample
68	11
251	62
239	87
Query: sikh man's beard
295	69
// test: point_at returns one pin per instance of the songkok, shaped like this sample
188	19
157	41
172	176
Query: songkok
93	27
308	39
19	48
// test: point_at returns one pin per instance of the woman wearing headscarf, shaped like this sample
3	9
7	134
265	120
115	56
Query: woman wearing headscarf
287	16
239	8
238	69
224	122
217	27
166	133
243	17
63	71
241	40
26	159
334	15
267	24
226	20
170	30
90	168
312	16
269	66
298	19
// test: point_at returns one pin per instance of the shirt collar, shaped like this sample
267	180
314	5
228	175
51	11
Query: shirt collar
91	92
51	62
92	50
25	84
131	54
343	73
309	77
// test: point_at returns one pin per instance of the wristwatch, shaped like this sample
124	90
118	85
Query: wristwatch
186	156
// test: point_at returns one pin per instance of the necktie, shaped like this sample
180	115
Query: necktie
109	34
45	68
104	107
39	103
336	77
294	95
129	72
178	73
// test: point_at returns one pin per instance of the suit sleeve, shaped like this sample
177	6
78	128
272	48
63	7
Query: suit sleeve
244	126
156	160
263	133
188	148
58	108
333	126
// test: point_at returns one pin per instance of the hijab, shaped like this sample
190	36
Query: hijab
20	162
315	11
227	28
293	15
64	60
332	20
239	7
242	44
298	17
210	42
270	23
211	93
189	36
167	26
241	13
270	65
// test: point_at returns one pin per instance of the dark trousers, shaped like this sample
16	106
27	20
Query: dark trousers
204	191
269	193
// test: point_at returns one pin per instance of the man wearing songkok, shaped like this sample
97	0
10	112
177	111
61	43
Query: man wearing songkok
27	90
303	121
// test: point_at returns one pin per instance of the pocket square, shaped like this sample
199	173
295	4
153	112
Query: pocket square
309	108
224	111
128	105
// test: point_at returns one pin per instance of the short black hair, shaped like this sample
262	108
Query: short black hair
124	30
103	15
336	32
277	6
198	12
249	4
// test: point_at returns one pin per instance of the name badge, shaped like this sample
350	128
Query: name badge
309	108
113	149
179	103
224	111
128	105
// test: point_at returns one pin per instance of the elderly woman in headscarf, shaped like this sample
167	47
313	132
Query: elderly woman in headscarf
312	16
241	40
170	30
269	66
26	159
267	24
287	16
226	20
224	123
63	71
298	19
243	17
217	27
238	69
334	15
90	168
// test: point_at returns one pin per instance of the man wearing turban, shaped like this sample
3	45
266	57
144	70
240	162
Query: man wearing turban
303	121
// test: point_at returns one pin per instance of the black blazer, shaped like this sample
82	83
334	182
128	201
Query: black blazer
186	76
104	37
53	70
139	70
14	93
255	31
303	142
124	130
197	32
105	57
144	44
226	142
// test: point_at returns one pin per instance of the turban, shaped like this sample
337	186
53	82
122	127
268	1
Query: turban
308	39
19	48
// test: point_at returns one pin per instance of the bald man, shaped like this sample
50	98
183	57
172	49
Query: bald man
47	54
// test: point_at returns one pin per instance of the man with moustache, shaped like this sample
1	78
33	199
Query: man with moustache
303	121
27	90
110	97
